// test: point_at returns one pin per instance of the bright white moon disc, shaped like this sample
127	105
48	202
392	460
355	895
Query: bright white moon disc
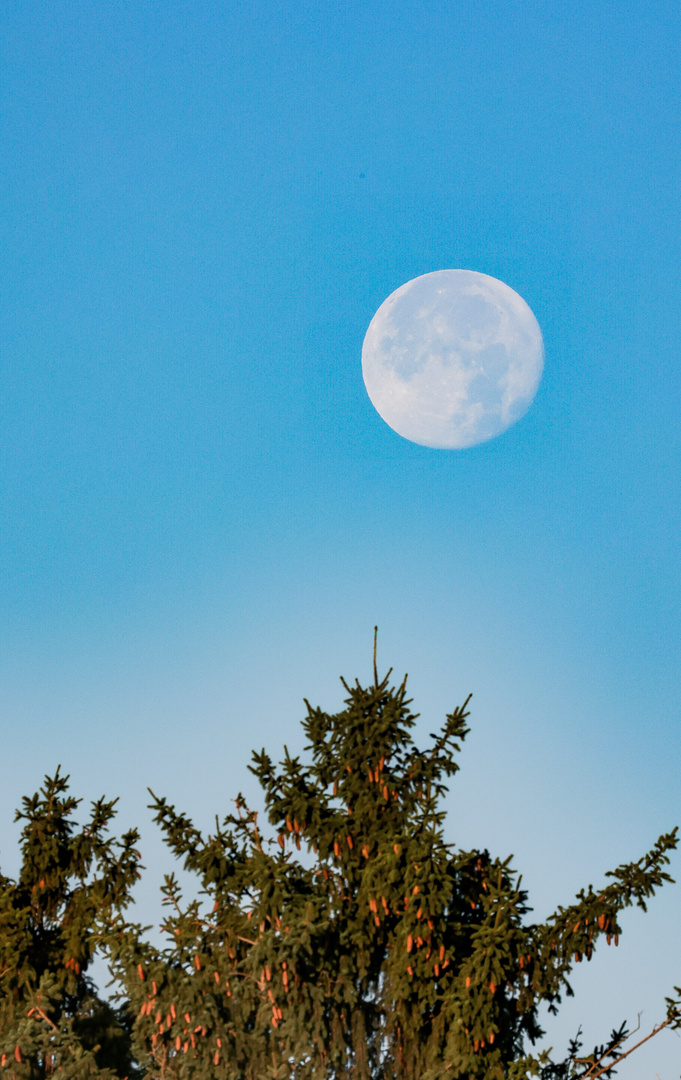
452	358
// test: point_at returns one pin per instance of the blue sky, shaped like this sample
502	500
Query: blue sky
201	515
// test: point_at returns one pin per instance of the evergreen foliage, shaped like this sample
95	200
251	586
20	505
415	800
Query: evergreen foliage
52	920
378	953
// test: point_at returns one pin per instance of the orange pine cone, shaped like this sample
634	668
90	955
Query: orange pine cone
410	943
140	971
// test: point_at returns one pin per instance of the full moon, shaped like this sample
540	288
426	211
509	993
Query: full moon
452	359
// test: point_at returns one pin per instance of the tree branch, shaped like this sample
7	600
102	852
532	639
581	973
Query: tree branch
591	1075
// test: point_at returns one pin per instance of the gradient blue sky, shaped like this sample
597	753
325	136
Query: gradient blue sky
202	517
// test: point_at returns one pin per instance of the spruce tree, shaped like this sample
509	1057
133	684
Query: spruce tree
71	883
379	952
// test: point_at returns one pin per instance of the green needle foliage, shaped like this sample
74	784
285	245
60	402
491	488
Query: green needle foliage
51	923
344	938
380	952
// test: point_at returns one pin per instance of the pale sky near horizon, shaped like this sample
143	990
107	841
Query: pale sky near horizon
202	516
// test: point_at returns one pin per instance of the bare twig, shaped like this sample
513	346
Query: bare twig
591	1075
609	1051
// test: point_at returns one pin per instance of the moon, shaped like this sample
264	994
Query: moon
452	359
